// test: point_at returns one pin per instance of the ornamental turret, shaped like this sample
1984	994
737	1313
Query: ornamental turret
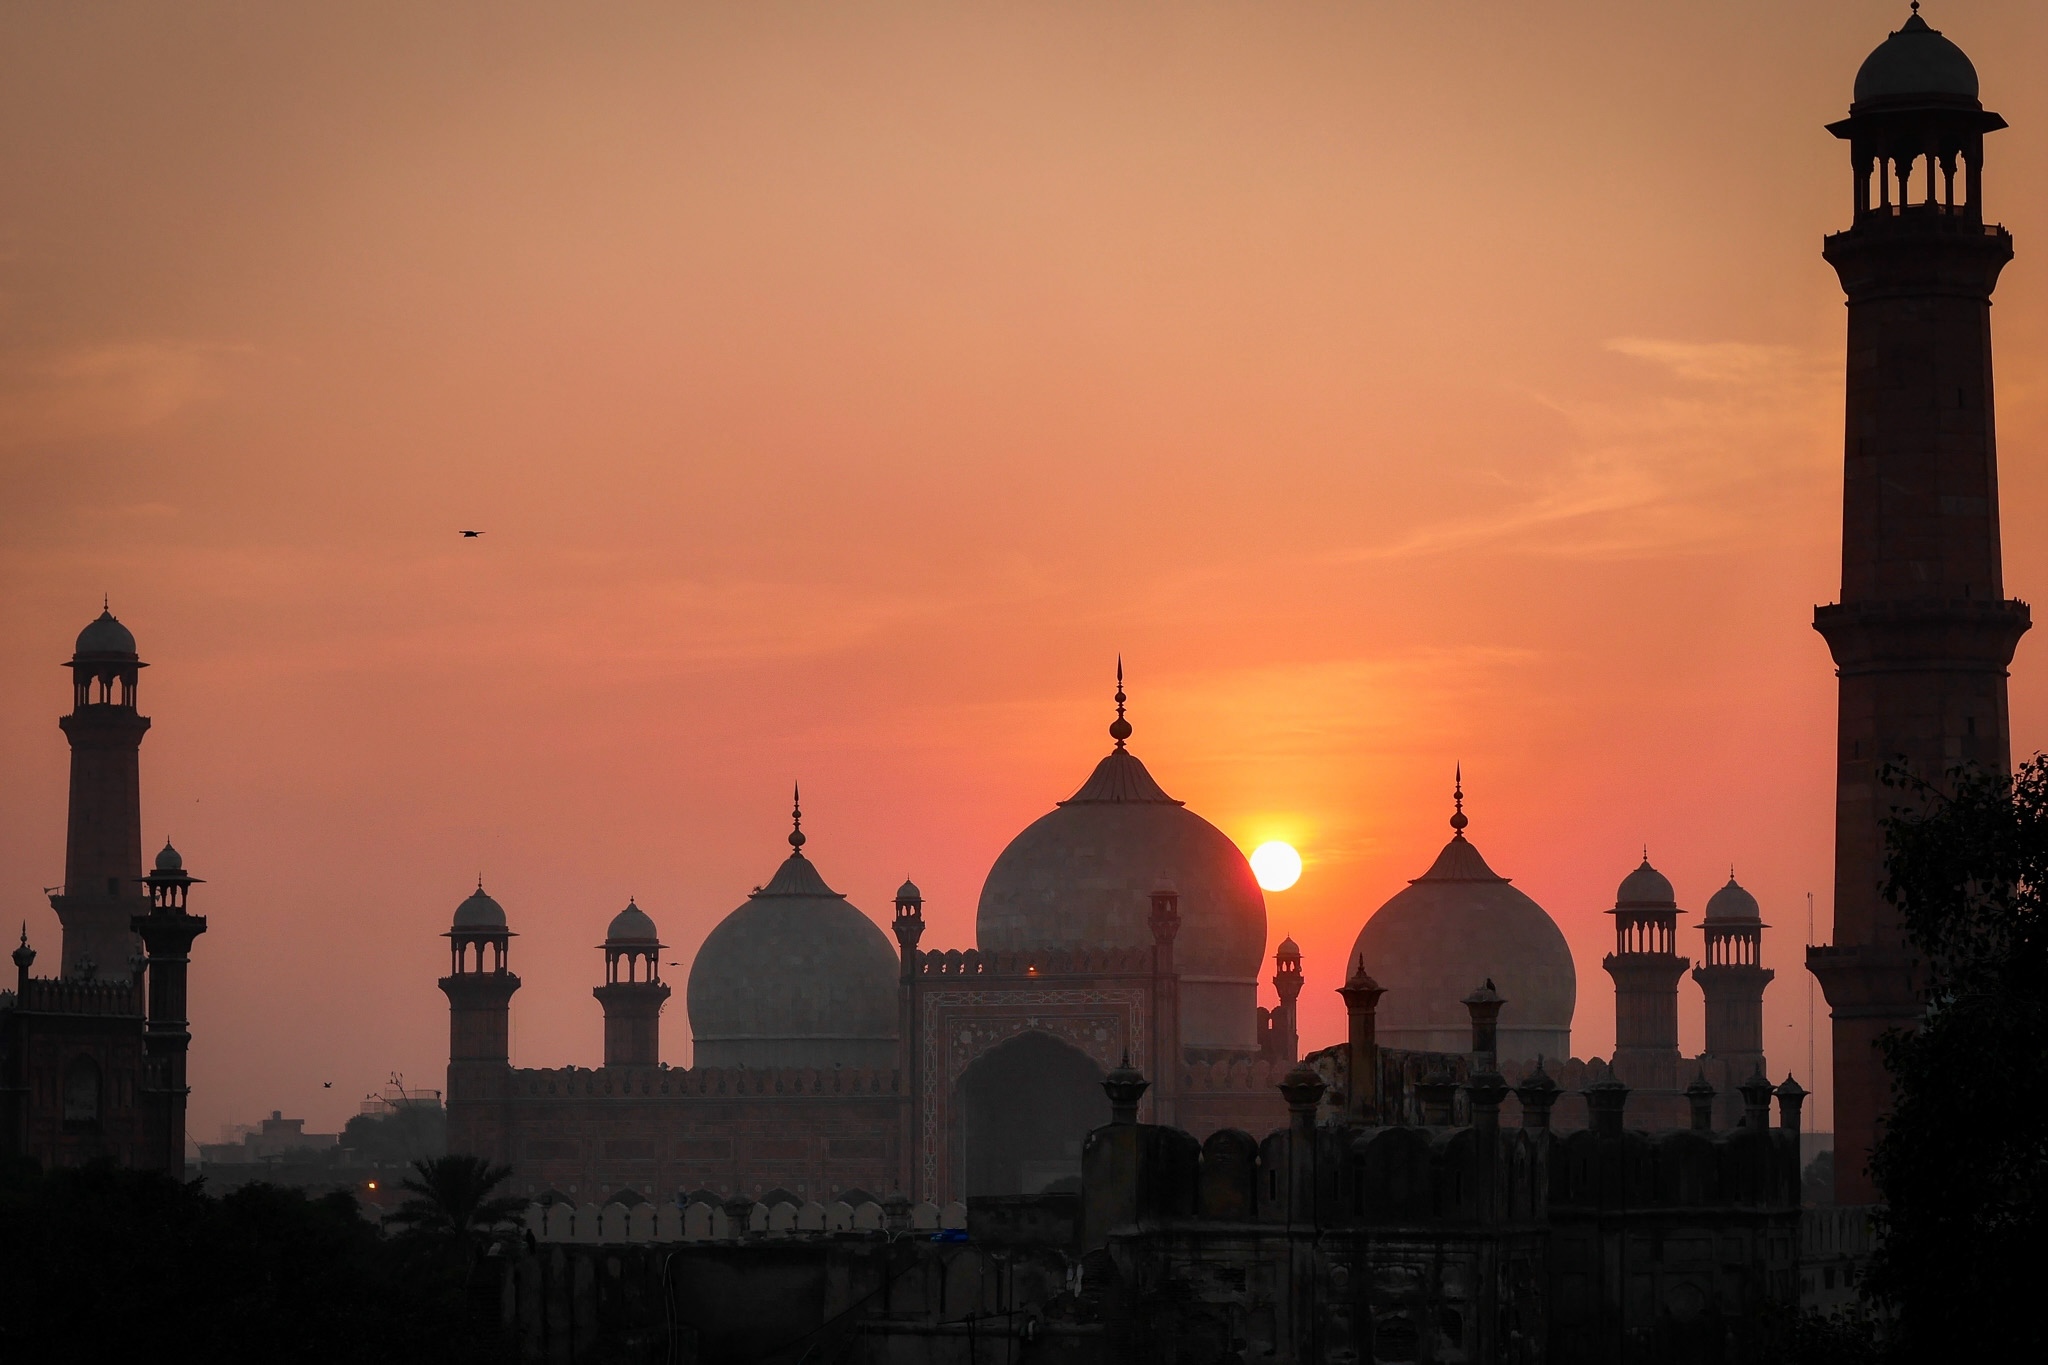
633	992
1732	977
1646	969
479	984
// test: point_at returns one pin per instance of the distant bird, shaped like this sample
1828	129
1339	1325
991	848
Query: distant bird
471	535
327	1085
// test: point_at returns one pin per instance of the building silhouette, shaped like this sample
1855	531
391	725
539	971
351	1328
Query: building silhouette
92	1060
1923	632
1119	929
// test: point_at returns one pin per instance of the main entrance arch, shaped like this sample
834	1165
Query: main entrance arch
1028	1104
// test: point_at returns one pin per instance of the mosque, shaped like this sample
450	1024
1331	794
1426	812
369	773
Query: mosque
1118	928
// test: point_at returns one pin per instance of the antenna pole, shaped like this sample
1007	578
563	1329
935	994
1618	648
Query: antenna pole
1812	1076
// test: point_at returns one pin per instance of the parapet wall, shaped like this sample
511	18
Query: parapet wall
46	995
737	1081
703	1221
972	962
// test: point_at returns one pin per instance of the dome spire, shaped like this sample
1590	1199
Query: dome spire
796	817
1120	729
1458	818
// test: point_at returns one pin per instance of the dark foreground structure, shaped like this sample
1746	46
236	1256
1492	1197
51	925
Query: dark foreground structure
1355	1233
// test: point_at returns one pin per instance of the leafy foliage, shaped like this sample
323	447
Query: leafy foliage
102	1263
1963	1172
454	1202
405	1134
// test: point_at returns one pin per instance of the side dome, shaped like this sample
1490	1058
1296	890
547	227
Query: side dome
168	859
1645	888
1916	62
1457	925
1732	902
105	635
631	925
479	911
795	977
1082	877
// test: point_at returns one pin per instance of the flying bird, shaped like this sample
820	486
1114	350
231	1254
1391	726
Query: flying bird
471	535
327	1085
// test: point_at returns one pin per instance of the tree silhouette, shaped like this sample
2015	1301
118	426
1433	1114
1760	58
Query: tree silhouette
454	1202
1964	1174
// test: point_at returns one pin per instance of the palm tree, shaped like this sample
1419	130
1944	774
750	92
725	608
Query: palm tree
453	1201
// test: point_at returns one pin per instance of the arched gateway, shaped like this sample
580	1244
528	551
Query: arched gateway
1027	1104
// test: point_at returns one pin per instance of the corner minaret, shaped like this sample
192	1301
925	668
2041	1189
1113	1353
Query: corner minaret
103	838
479	985
1646	968
1923	633
1732	978
633	992
167	929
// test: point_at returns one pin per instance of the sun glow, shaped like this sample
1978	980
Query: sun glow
1276	865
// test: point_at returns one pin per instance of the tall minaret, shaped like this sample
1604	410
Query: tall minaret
1646	968
102	890
1923	633
633	992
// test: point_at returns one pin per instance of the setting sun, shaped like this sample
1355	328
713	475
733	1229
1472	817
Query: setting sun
1276	865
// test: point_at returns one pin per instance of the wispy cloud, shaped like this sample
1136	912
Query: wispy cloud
102	389
1677	470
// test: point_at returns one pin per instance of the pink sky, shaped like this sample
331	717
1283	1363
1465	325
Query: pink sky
841	388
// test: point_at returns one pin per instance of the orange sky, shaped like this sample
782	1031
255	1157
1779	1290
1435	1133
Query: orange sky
841	387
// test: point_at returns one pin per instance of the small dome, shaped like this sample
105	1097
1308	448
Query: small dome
106	636
1732	902
1644	889
479	912
1288	948
909	892
797	976
1914	62
170	860
1455	926
631	925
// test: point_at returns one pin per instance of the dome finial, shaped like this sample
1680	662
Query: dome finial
1120	729
796	817
1458	819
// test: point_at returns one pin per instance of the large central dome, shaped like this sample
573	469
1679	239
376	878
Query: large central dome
1082	876
1449	930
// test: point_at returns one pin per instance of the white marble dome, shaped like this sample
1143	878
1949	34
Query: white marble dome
1450	930
1082	877
1733	902
797	976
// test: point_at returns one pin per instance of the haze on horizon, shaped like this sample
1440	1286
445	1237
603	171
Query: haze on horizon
841	390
